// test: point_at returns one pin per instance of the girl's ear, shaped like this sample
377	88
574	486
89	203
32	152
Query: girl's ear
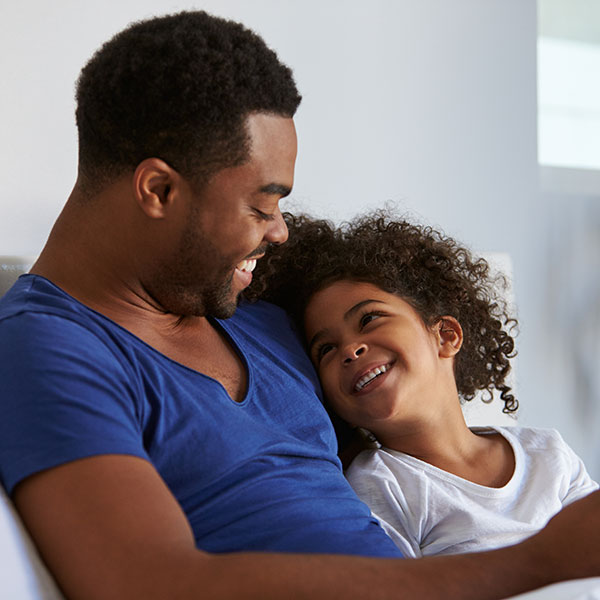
450	336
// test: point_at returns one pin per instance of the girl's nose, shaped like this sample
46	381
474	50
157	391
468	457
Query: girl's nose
353	351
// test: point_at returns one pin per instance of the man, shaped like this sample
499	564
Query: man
153	449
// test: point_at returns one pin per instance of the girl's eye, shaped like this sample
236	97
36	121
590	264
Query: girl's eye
323	350
367	318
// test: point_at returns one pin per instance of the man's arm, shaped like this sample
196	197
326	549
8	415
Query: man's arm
108	527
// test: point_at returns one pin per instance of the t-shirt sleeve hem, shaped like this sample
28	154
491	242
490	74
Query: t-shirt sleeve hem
22	469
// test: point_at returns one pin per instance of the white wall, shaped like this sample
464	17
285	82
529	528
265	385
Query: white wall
427	103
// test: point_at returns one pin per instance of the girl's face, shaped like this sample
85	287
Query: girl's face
378	362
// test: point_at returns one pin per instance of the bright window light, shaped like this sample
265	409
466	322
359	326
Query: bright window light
568	103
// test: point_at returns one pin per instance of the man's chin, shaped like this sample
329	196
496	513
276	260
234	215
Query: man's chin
224	304
225	311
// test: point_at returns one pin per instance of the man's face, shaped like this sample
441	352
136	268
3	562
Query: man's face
231	220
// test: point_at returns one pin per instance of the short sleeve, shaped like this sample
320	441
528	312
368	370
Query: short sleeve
581	484
65	394
376	485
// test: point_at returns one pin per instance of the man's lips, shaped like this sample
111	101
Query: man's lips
249	263
367	376
244	268
246	265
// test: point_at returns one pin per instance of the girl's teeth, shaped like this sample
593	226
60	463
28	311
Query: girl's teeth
366	379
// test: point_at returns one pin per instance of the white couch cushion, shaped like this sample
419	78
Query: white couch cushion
23	575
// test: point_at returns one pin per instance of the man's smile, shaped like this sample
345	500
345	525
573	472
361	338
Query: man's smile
247	265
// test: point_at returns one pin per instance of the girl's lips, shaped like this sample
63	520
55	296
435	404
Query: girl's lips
370	377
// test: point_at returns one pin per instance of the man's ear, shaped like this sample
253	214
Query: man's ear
154	183
450	336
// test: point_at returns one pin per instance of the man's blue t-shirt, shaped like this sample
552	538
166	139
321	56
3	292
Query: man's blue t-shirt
260	474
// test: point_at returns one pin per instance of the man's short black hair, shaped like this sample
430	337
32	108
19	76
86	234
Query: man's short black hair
179	88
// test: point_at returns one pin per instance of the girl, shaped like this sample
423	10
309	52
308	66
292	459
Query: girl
400	322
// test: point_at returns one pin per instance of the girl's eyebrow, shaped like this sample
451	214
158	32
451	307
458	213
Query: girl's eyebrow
347	315
351	311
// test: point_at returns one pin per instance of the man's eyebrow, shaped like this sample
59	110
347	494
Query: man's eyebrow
278	189
347	315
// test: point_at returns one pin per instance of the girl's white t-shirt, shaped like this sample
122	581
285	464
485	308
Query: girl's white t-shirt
427	511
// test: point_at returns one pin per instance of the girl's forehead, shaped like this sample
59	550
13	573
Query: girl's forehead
343	287
334	294
344	297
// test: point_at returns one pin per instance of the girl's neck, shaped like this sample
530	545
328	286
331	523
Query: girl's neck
448	444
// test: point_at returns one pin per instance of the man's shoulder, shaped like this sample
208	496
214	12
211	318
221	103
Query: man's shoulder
263	320
261	310
269	337
36	294
36	315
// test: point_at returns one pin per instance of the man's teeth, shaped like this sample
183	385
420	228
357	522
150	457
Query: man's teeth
247	265
366	379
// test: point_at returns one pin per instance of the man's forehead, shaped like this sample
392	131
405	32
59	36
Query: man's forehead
273	148
266	130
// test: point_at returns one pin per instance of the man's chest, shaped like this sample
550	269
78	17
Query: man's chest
210	353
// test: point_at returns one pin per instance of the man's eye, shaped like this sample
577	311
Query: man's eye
263	215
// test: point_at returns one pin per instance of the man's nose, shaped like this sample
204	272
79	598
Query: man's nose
353	351
277	233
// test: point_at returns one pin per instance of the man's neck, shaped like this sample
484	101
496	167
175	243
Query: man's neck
98	269
191	341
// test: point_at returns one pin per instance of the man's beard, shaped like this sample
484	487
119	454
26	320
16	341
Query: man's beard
187	289
196	281
219	301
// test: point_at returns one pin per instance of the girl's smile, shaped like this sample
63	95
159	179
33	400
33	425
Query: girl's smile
379	363
366	382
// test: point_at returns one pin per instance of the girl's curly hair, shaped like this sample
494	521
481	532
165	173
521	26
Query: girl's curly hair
432	272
